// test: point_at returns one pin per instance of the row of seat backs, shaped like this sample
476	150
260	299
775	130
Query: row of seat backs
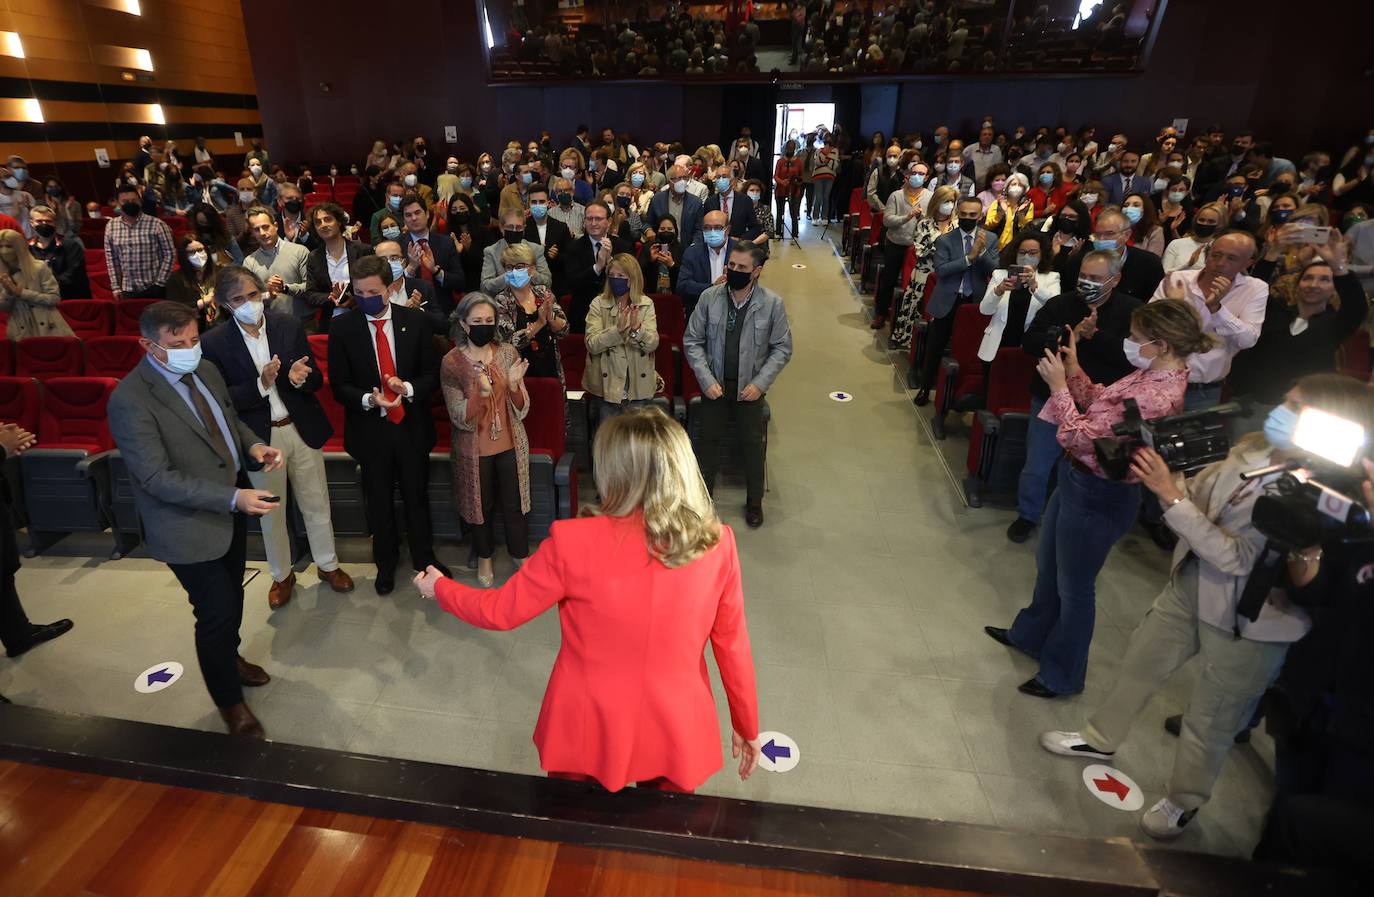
46	357
64	412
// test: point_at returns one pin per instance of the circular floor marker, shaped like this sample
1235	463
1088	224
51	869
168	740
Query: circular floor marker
798	266
1113	787
842	396
779	753
157	677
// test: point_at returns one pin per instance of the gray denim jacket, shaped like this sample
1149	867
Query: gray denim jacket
764	347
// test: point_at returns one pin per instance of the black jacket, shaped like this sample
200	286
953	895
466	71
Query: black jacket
438	321
1140	275
649	268
1102	358
317	282
744	225
224	347
446	260
556	233
584	282
67	261
353	374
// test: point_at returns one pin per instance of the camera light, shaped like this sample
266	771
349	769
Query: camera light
1329	437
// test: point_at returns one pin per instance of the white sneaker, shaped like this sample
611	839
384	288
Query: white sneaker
1071	744
1166	820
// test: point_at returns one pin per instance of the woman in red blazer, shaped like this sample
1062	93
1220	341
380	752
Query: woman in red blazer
641	583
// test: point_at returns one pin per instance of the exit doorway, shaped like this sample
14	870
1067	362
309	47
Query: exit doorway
796	119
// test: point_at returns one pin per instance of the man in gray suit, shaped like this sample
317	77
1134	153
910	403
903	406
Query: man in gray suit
964	260
187	451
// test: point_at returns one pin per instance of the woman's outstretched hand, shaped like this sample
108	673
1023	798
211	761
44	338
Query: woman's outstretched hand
747	752
427	581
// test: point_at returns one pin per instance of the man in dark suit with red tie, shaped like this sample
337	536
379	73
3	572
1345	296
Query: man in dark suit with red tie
383	370
430	255
737	206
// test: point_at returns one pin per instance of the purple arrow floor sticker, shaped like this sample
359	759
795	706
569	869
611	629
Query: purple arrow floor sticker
779	752
157	677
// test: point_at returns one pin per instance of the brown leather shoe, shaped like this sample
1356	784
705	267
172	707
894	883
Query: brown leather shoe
280	593
338	580
241	721
251	674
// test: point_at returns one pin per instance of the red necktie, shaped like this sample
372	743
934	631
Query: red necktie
425	273
387	367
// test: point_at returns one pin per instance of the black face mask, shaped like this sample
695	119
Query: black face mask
293	206
514	236
1067	225
738	280
481	334
459	218
667	237
1203	230
1237	149
44	230
132	209
565	200
968	225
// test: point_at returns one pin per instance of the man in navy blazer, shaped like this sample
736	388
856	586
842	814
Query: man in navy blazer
429	254
272	378
738	208
964	261
703	264
685	208
1126	179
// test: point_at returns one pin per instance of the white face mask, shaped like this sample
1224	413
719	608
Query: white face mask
1015	191
946	208
680	186
567	173
197	259
755	195
245	196
1089	199
182	361
255	170
250	312
1132	350
409	180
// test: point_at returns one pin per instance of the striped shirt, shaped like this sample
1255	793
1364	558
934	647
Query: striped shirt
138	253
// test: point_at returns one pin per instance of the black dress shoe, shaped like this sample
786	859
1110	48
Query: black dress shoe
440	567
5	700
40	634
753	515
385	582
998	634
1033	688
1020	530
922	398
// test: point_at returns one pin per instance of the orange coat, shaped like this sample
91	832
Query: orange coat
629	698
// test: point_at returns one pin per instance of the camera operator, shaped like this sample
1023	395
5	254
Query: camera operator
1088	512
1220	602
1100	315
1321	716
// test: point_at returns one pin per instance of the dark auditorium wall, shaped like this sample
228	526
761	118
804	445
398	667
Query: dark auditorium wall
79	63
1222	60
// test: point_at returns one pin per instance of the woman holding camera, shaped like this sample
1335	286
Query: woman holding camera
1016	290
1226	600
1089	512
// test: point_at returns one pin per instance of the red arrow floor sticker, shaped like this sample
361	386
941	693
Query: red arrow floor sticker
1113	787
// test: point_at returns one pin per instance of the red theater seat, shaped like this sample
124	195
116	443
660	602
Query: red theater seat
7	353
319	347
553	470
49	356
572	349
100	284
19	402
672	318
127	312
73	413
997	443
112	356
88	317
959	383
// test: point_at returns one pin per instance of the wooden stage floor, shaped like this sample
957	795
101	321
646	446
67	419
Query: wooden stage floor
67	834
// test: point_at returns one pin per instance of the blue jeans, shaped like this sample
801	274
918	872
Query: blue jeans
1085	518
1042	453
1197	397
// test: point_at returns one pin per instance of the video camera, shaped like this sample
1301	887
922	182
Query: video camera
1297	510
1187	442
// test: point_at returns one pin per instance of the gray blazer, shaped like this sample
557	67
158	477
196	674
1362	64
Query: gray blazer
950	265
494	275
182	490
764	347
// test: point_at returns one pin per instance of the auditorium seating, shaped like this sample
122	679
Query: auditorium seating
88	317
112	356
553	470
7	356
100	285
667	363
319	347
66	478
959	382
672	320
997	443
572	349
18	405
127	313
43	357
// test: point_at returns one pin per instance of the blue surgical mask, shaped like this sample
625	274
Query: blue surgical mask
539	210
1177	196
722	185
714	238
518	278
527	178
465	182
1279	427
394	202
372	306
391	233
1132	213
916	181
182	361
1047	178
398	269
637	179
1104	244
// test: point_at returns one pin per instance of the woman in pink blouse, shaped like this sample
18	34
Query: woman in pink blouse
1089	512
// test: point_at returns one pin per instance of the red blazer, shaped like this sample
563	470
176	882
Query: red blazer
629	698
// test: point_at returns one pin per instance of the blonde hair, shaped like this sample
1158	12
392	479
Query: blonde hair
1175	323
27	268
630	265
943	194
517	254
643	461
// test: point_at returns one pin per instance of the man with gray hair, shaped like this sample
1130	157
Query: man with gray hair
735	368
512	233
565	207
678	200
1100	314
272	378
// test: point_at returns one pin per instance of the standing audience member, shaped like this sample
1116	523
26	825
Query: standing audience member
329	267
650	558
28	291
901	215
737	342
622	336
938	221
383	371
528	316
188	456
1017	290
430	256
192	284
513	230
787	183
64	255
279	264
272	378
1091	508
483	380
138	248
1187	253
587	260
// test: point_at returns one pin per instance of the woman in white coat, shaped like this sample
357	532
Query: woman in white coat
1018	287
